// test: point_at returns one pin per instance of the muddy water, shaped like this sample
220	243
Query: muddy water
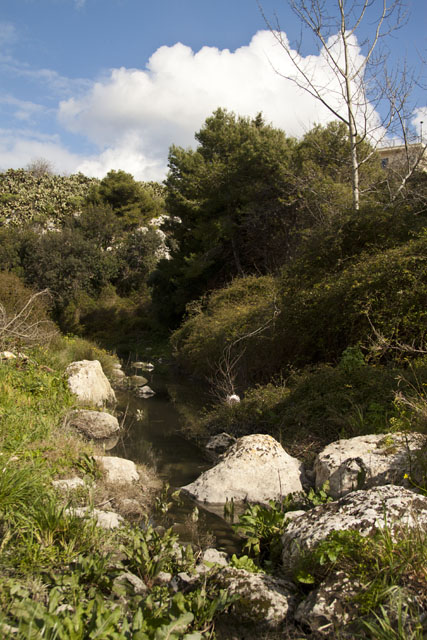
153	434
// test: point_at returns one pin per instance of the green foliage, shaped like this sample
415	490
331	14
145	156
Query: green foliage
316	406
28	390
66	349
391	571
262	527
29	198
132	202
228	195
149	552
244	562
212	337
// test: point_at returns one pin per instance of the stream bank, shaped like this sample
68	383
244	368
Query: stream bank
153	434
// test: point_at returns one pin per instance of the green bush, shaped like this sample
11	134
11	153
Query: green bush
319	405
230	332
29	198
381	295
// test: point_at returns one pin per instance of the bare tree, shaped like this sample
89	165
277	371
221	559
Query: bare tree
226	371
26	322
39	167
362	88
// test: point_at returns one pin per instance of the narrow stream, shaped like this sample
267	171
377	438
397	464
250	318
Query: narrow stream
153	436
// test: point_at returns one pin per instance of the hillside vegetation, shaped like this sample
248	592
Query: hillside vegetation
253	267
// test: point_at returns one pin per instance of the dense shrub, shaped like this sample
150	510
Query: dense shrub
320	405
385	292
29	197
230	330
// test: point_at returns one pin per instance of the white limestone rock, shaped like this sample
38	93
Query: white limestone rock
118	470
364	511
220	442
7	355
367	461
292	515
138	586
88	382
146	391
256	468
327	609
104	519
137	381
93	424
264	600
68	484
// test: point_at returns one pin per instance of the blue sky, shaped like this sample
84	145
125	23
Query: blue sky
94	85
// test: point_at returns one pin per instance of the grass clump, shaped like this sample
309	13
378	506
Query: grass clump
391	574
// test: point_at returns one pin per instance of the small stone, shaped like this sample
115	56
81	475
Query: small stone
93	424
163	577
146	391
220	442
327	609
292	515
118	470
137	381
104	519
68	484
215	557
138	585
7	355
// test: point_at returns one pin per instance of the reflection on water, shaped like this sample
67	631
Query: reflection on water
153	435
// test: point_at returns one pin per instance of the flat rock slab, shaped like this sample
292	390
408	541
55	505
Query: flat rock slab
364	511
367	461
88	382
118	470
93	424
256	468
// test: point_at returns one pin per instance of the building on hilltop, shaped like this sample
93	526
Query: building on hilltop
401	157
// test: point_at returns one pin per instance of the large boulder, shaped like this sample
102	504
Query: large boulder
118	470
364	511
368	461
256	468
88	382
263	600
93	424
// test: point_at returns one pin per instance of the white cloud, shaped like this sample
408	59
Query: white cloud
18	147
134	115
22	109
146	111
